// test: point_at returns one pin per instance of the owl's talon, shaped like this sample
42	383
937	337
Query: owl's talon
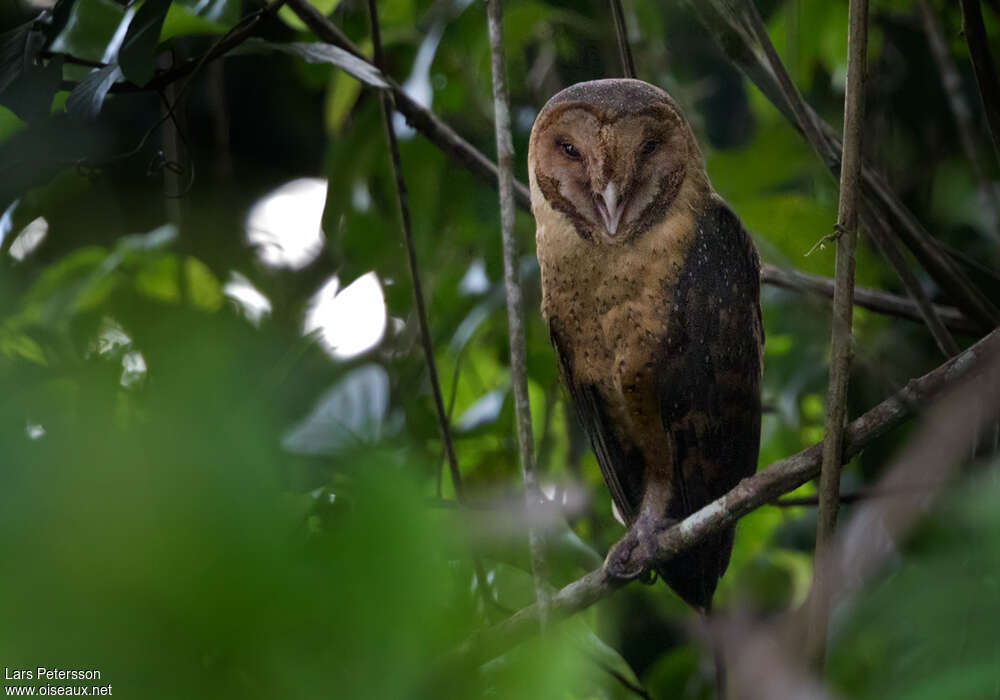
622	564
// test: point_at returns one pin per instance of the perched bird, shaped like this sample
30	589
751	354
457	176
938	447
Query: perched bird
651	291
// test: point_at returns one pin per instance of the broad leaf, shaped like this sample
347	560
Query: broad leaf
319	52
27	86
183	21
93	30
350	413
138	53
87	98
289	17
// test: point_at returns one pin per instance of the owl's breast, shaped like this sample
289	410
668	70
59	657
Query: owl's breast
612	306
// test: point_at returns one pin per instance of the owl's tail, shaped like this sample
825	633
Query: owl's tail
693	575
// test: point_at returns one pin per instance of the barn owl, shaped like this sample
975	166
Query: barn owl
651	292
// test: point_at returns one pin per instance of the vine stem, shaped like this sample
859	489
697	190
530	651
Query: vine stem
982	63
842	340
512	286
624	50
418	295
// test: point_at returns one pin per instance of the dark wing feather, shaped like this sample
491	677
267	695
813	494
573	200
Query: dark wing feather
621	465
709	385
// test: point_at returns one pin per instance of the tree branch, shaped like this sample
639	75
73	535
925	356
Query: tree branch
512	287
982	64
872	299
764	487
842	339
881	235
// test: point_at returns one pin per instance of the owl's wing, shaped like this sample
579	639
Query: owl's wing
708	379
619	466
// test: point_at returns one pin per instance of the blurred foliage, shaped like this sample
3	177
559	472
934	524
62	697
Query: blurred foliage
201	501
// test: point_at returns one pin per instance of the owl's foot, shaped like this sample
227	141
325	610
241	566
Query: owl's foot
633	556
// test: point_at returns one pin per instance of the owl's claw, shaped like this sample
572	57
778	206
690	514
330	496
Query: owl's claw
634	555
620	562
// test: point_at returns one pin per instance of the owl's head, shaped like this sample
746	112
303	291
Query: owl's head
613	156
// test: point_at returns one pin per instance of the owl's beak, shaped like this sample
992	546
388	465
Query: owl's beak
610	208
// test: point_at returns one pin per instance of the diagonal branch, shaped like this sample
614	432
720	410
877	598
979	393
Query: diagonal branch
842	339
951	82
881	235
624	50
872	299
982	64
512	287
762	488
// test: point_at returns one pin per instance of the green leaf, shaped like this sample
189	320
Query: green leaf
224	12
341	96
203	288
9	124
349	414
26	87
21	345
62	190
159	279
183	21
326	7
87	98
318	52
138	52
91	26
18	48
596	650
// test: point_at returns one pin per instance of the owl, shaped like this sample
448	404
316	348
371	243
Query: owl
651	293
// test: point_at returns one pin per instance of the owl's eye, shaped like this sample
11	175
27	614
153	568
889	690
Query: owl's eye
569	149
649	147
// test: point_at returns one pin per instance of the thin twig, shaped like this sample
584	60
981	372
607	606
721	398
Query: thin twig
512	286
880	234
872	299
624	50
764	487
636	690
951	82
842	339
418	294
982	64
70	58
